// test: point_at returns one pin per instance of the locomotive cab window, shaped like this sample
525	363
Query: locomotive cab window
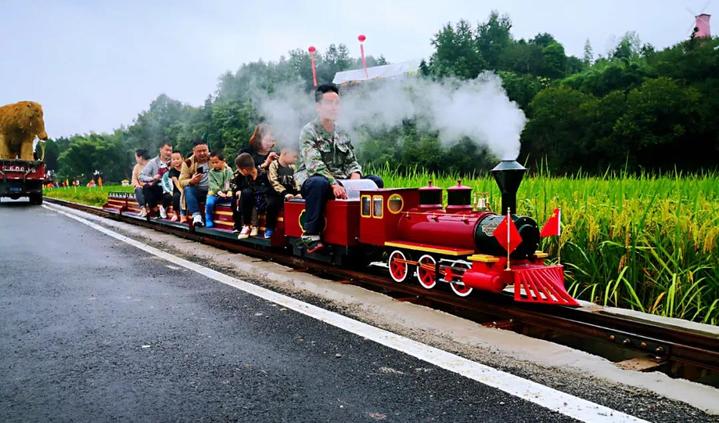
366	210
377	203
395	203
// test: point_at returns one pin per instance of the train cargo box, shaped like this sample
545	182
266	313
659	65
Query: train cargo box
341	221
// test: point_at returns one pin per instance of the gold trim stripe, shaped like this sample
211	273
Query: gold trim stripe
483	258
429	249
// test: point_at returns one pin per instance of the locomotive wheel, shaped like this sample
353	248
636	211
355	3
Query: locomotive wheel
398	266
426	274
460	289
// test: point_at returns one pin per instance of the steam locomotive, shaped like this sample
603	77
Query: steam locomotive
417	238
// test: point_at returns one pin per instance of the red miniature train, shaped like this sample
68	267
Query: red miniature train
418	238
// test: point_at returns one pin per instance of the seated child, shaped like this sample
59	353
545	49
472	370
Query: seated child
218	185
254	195
284	186
166	185
239	184
173	178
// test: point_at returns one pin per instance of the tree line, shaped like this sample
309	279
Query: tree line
633	109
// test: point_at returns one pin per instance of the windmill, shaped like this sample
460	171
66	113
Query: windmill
700	28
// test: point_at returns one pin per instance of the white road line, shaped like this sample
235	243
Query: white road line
544	396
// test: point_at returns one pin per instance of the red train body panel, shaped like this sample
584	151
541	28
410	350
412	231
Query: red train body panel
380	212
445	229
340	227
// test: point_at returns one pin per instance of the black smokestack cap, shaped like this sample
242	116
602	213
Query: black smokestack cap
509	174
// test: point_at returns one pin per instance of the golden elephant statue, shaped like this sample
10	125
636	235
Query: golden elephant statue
20	123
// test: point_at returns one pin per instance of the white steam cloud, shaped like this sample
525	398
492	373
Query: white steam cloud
478	109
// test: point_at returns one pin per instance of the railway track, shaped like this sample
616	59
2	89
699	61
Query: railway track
631	341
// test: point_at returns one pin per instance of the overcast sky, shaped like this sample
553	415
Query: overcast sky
94	64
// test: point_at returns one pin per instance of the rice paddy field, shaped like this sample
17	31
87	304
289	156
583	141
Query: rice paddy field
647	243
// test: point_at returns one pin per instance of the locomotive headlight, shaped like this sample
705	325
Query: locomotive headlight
486	243
529	231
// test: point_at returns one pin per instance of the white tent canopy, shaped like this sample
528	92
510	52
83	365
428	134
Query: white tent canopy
391	71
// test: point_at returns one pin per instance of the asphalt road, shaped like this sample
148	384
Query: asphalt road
92	329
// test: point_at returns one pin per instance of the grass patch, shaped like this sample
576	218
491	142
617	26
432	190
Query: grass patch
90	196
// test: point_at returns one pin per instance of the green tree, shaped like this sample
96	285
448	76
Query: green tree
555	61
522	88
628	47
552	133
53	147
660	115
456	52
467	158
522	57
493	37
588	57
162	122
233	123
690	62
421	150
335	59
87	153
377	149
606	76
602	147
543	40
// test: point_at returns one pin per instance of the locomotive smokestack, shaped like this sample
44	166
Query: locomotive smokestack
508	174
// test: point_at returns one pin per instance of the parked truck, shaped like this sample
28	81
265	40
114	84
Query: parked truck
21	174
22	178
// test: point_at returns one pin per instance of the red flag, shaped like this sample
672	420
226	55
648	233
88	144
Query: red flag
507	234
553	227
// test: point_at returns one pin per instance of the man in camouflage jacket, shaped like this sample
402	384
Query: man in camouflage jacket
326	155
